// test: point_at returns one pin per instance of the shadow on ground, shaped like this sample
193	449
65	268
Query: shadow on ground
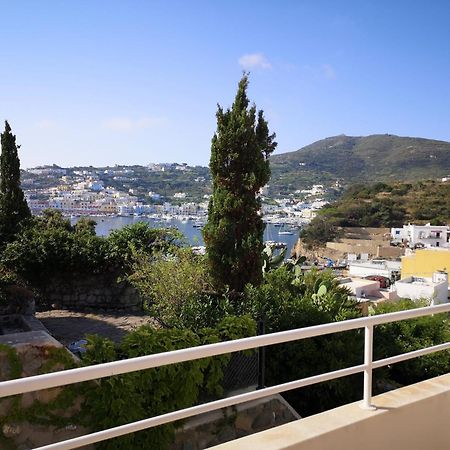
69	326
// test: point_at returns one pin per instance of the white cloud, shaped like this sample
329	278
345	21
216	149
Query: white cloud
125	124
46	124
328	72
316	72
254	61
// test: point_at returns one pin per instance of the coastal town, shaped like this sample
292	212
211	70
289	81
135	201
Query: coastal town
77	192
225	225
374	264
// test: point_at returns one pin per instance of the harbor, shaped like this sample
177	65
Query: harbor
278	233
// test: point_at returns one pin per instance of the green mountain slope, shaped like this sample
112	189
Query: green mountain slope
381	205
361	159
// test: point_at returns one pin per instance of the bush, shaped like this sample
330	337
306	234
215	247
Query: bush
130	397
137	238
408	335
287	302
318	232
39	253
175	287
49	246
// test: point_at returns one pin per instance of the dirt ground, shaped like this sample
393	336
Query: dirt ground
70	326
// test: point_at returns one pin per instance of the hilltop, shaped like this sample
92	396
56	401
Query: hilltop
353	159
345	159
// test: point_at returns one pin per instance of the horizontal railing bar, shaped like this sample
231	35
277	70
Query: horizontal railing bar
199	409
410	355
80	374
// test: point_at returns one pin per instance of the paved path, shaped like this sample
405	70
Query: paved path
69	326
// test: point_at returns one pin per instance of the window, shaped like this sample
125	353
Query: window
437	244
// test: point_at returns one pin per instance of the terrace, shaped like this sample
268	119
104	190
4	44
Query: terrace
413	417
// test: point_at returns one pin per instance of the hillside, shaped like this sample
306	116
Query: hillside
353	159
344	158
381	205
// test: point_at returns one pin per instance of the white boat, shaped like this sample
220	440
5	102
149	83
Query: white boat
286	233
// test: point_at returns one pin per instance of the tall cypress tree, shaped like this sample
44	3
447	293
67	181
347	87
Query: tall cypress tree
239	166
13	206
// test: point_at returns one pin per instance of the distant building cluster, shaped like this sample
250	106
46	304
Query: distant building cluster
82	192
420	271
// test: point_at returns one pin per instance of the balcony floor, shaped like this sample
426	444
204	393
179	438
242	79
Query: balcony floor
414	417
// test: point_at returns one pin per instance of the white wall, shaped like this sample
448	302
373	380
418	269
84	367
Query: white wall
436	292
362	271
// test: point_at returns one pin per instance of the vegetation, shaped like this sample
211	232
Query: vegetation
169	284
240	168
13	206
365	159
408	335
125	398
380	205
194	297
49	246
288	300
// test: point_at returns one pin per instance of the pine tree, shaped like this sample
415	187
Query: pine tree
13	206
239	166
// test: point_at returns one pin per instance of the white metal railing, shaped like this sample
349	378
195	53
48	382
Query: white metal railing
65	377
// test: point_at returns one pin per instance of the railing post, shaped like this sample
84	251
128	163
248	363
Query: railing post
368	360
261	357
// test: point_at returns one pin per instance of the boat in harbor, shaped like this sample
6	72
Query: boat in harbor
198	224
276	245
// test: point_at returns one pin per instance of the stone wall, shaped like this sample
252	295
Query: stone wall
96	291
18	300
221	426
39	418
28	421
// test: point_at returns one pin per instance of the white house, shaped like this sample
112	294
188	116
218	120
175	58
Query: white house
435	288
422	235
362	289
383	268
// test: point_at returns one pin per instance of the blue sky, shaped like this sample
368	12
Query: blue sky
132	82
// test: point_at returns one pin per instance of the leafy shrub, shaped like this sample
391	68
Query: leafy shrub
130	397
50	246
140	238
318	232
40	252
408	335
287	301
174	286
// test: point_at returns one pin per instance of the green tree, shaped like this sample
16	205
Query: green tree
239	166
13	206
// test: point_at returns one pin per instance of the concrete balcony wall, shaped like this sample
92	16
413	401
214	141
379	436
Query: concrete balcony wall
415	417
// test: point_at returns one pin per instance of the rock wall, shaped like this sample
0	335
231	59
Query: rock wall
221	426
42	417
96	291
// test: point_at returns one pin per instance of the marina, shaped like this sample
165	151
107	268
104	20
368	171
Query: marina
190	226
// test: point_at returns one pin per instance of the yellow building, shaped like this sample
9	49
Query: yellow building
423	263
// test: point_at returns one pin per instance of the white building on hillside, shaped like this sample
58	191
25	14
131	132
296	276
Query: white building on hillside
361	289
422	235
383	268
435	288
